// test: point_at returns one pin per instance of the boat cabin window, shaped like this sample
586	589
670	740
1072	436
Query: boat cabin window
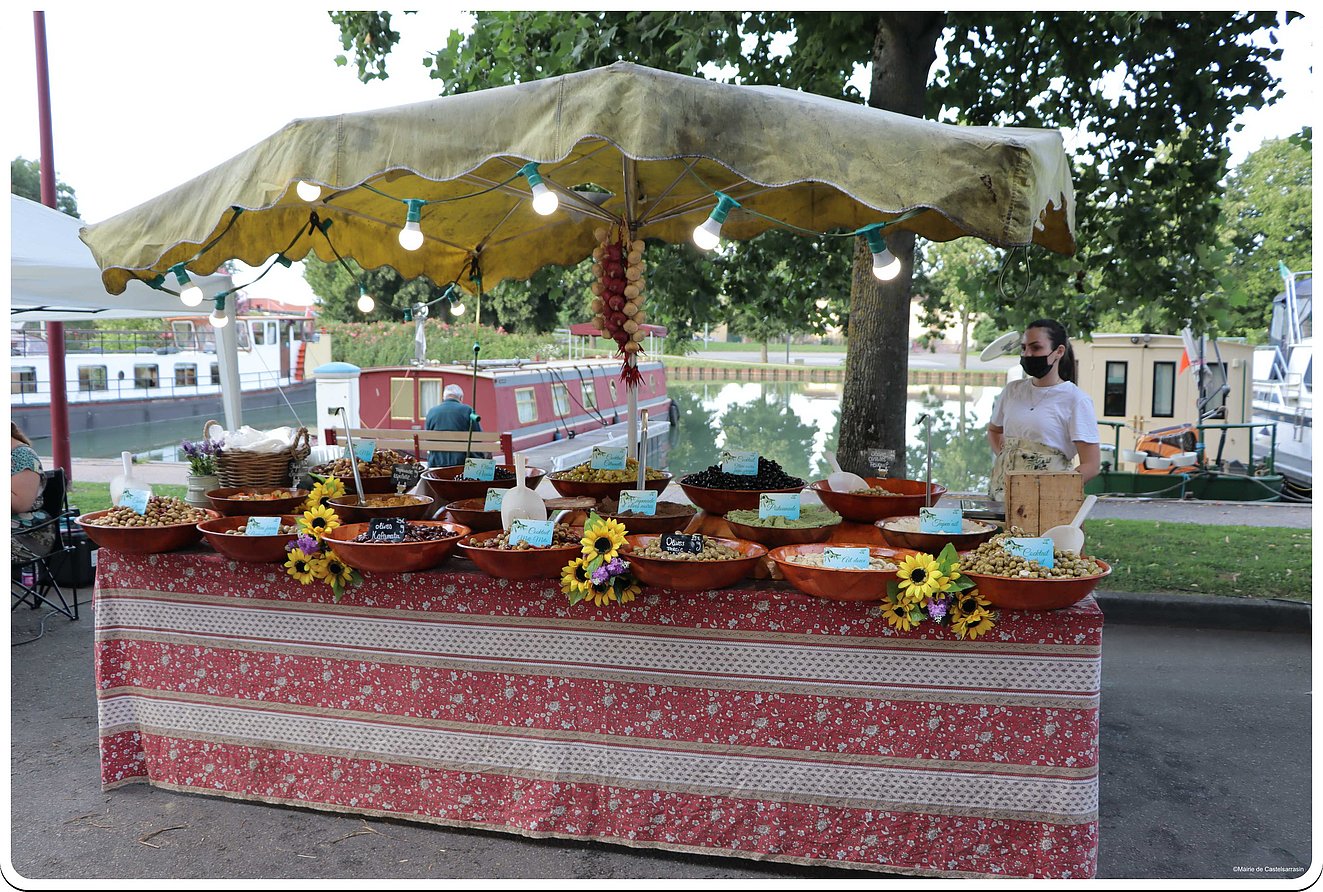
146	376
23	380
429	394
185	336
1114	389
401	399
1164	389
560	399
259	333
589	395
241	337
186	374
92	377
215	374
526	404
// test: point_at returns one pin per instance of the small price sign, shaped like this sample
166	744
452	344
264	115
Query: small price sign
845	558
779	504
639	501
386	529
365	449
882	460
534	532
682	543
405	477
135	499
745	463
495	496
479	469
944	520
262	526
1035	548
607	458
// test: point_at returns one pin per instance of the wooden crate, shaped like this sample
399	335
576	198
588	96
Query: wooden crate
1038	501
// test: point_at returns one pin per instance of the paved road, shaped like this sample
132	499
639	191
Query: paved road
916	360
1205	769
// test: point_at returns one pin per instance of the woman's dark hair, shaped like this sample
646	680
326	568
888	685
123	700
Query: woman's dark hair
17	434
1056	333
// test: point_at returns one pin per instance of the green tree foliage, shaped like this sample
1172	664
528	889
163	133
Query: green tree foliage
337	288
25	181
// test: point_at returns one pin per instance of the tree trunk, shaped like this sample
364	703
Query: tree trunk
764	359
877	363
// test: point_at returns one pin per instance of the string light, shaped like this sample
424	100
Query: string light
218	317
411	236
309	192
457	308
545	201
189	292
365	302
707	235
886	266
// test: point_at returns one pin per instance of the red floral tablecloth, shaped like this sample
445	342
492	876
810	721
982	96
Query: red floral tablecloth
755	722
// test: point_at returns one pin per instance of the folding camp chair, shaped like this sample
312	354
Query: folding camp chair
31	580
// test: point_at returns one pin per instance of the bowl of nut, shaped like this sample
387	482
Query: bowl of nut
803	567
1008	580
228	537
361	509
168	524
256	501
884	497
718	492
671	517
376	473
903	532
493	554
427	544
446	484
717	563
473	514
814	524
597	483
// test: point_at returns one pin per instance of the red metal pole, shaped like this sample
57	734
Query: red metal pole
54	330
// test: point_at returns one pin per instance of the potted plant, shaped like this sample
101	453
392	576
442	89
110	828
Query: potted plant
202	456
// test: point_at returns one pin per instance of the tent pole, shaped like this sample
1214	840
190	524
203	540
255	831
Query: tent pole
632	419
227	357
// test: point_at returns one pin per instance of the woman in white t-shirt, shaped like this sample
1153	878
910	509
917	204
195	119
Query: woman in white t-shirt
1042	422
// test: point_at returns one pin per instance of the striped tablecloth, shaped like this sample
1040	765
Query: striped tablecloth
755	722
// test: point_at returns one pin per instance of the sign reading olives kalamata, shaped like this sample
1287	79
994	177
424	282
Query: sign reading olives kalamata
387	529
479	469
365	449
682	543
745	463
943	520
495	497
534	532
262	526
845	558
607	458
779	504
638	501
1034	548
405	476
135	499
882	460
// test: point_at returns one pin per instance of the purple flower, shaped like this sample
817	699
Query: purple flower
307	544
937	609
601	575
616	566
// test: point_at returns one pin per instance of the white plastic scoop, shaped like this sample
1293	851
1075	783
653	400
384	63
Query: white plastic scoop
1070	537
121	483
521	502
843	481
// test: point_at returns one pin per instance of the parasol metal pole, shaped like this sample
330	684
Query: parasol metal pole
643	451
632	412
473	395
353	459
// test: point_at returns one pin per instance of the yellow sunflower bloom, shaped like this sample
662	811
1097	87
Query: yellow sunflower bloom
973	623
968	602
335	571
301	566
919	574
323	492
319	521
630	592
603	539
897	614
574	578
601	595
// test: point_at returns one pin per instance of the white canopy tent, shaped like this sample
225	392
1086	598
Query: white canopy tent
53	278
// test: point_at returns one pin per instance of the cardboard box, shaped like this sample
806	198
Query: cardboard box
1038	501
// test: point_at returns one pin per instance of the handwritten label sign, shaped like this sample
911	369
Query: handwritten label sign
944	520
639	501
745	463
534	532
607	458
779	504
479	469
882	460
405	477
135	499
681	543
1038	549
495	496
262	526
387	529
845	558
365	449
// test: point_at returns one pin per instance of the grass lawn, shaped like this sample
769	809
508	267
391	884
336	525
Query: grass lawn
89	497
1251	562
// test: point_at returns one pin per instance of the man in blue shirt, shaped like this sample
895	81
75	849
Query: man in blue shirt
451	414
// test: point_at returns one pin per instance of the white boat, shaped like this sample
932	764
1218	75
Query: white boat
1284	381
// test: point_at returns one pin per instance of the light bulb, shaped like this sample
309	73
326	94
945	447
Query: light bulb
545	201
191	295
707	235
886	266
308	191
457	309
411	236
365	303
218	319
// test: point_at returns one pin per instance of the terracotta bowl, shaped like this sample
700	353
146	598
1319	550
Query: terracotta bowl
394	557
774	537
1038	594
349	510
506	564
471	513
723	501
870	509
692	575
444	486
933	543
371	485
142	540
838	585
604	490
255	549
222	500
673	523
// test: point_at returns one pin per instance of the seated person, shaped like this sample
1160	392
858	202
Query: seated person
451	414
25	499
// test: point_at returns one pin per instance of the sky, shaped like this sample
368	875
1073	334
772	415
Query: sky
146	97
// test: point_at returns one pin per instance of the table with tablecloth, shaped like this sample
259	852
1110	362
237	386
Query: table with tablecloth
755	721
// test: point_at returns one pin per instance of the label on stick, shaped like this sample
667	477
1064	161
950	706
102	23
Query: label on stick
495	496
638	501
365	449
944	520
135	499
607	458
845	558
479	469
406	476
779	504
262	526
534	532
386	529
681	543
745	463
1035	548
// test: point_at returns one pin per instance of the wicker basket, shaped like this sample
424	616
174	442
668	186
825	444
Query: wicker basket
236	467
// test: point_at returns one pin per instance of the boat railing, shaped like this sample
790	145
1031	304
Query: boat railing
1270	464
78	340
127	388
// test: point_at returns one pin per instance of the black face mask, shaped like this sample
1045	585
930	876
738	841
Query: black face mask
1036	366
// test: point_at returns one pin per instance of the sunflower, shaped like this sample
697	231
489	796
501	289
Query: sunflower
968	602
897	614
335	571
973	624
574	578
319	521
601	594
630	592
920	576
323	492
603	539
301	566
